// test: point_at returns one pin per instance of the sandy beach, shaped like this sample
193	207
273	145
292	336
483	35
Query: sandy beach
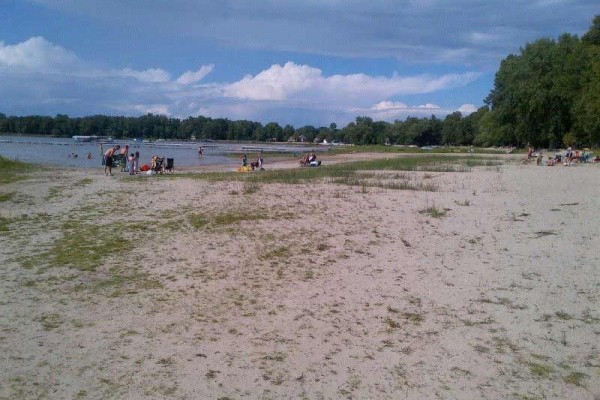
482	284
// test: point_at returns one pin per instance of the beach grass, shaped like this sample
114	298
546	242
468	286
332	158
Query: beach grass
6	197
377	148
4	224
12	170
84	246
346	172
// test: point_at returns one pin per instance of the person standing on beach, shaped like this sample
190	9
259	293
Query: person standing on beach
137	162
124	154
108	159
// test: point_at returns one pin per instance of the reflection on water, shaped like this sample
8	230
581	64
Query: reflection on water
70	153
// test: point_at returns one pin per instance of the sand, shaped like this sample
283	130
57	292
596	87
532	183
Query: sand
229	290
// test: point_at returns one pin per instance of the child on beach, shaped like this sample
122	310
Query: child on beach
132	160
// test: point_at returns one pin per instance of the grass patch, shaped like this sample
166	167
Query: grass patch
251	188
13	171
392	324
6	197
367	180
197	220
50	321
279	252
414	317
83	182
575	378
124	280
85	246
4	224
434	212
541	370
233	217
200	220
346	171
377	148
563	315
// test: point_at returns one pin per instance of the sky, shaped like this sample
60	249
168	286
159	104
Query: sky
298	62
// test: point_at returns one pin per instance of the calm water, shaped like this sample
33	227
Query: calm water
60	151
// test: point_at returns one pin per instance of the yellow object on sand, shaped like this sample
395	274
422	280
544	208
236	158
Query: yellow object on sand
244	169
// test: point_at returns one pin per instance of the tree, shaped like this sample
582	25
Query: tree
592	37
452	129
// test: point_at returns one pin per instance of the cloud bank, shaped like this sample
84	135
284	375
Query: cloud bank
50	79
458	31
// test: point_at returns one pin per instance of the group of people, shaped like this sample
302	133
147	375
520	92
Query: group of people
130	160
258	164
309	160
568	159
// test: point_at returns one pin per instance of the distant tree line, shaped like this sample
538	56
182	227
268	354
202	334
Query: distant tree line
455	129
547	96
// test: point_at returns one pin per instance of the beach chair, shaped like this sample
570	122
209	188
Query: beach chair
170	167
159	164
119	161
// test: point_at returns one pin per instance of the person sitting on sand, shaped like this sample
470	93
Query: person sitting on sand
305	160
108	159
89	156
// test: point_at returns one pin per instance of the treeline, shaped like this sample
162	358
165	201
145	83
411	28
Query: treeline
454	129
547	96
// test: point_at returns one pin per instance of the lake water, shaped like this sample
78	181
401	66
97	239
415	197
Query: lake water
45	150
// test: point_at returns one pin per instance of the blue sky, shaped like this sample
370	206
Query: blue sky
309	62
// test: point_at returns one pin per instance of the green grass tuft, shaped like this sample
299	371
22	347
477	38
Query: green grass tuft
12	170
86	246
541	370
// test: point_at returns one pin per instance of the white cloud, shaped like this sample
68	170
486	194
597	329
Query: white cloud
190	77
429	106
389	105
302	83
466	109
160	109
275	83
392	110
37	54
151	75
